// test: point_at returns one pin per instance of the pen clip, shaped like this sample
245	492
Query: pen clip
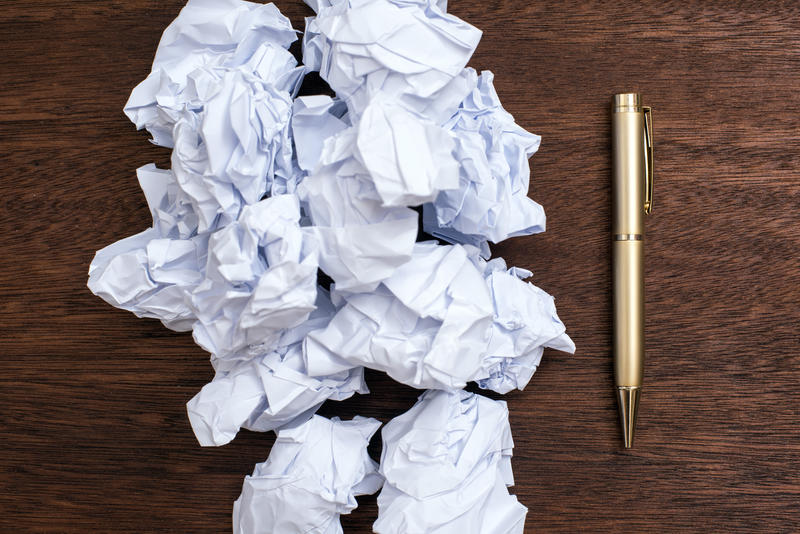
648	154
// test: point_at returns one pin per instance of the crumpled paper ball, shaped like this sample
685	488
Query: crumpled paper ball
427	325
413	52
447	464
525	322
357	194
211	34
491	202
260	279
220	93
441	320
312	476
234	149
152	273
264	388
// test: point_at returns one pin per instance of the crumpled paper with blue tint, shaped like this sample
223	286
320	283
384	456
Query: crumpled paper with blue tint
441	320
411	51
220	93
235	149
523	324
365	177
491	202
312	476
260	279
427	325
262	388
447	464
152	273
207	35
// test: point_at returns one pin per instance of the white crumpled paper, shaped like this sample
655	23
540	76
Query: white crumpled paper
260	279
263	388
152	273
312	475
447	464
491	202
523	324
358	192
411	51
208	35
441	320
427	325
220	93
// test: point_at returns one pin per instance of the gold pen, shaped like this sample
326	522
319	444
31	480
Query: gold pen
632	190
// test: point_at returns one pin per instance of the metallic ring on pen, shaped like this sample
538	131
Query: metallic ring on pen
628	237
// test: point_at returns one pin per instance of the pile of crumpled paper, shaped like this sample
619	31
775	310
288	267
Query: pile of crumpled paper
267	189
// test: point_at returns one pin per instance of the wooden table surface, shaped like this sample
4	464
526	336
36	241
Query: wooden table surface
93	426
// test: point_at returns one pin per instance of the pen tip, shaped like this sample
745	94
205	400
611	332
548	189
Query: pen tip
628	398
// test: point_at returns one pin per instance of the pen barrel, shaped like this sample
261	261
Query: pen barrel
628	280
627	234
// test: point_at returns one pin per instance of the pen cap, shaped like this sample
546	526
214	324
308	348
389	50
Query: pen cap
628	164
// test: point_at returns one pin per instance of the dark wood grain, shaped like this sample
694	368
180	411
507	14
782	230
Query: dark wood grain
92	419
